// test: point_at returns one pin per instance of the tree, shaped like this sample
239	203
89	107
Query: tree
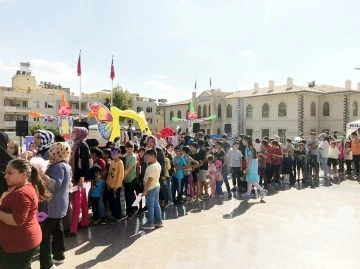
38	126
122	99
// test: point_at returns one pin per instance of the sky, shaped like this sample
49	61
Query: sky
161	47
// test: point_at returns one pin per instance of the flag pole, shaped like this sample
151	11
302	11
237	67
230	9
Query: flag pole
112	75
79	74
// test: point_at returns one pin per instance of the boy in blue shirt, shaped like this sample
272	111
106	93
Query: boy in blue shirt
96	193
178	176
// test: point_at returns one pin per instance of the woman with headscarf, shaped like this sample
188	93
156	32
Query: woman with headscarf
57	177
5	157
80	163
42	140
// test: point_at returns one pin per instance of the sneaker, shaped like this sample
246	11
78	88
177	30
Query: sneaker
221	195
58	261
233	189
158	224
263	194
53	267
170	203
246	195
205	197
148	226
229	196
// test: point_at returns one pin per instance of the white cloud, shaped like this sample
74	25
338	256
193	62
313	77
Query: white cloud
246	53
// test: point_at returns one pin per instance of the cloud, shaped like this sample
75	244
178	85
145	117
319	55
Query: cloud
163	90
246	53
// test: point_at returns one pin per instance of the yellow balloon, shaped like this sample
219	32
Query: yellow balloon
139	117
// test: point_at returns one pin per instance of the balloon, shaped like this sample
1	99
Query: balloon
166	132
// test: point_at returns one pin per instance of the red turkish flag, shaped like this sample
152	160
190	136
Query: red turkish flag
79	65
112	72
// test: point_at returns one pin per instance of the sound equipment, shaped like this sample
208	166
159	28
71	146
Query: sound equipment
196	127
22	128
227	128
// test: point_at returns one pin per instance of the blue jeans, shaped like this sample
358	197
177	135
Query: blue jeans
168	183
218	187
102	212
152	202
324	165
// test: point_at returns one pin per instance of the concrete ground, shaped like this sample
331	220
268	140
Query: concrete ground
316	226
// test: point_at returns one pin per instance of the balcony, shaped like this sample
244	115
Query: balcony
18	109
9	124
17	95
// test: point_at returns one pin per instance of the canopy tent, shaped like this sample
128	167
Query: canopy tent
352	126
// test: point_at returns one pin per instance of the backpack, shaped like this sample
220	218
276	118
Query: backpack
91	162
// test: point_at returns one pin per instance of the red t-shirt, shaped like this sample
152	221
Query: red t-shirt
269	154
100	162
276	160
23	204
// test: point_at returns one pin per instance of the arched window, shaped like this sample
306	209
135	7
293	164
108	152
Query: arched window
229	111
219	111
171	115
326	109
282	109
355	109
313	109
179	114
204	111
265	110
249	111
209	110
199	111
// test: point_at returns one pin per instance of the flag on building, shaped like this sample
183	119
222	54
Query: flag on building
210	82
79	65
195	84
112	72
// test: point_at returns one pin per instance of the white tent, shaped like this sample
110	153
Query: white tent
352	126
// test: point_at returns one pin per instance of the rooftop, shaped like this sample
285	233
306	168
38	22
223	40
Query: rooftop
184	102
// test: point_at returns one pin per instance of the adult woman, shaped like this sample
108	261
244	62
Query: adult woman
5	157
20	231
43	140
57	178
355	147
80	164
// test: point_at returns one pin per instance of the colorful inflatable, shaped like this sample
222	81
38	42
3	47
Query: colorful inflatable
192	117
109	120
65	119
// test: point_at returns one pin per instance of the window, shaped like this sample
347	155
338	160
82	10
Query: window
179	114
36	119
208	131
37	104
282	132
199	111
46	119
282	109
218	131
265	110
204	111
82	106
265	132
249	111
139	109
171	115
209	110
149	109
355	109
313	109
219	111
229	111
149	120
326	109
249	132
49	105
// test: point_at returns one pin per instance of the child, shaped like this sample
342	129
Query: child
348	157
234	159
300	159
151	191
252	177
169	199
141	174
115	184
178	176
340	146
287	167
13	148
188	183
276	157
212	175
130	178
262	156
333	158
219	178
96	193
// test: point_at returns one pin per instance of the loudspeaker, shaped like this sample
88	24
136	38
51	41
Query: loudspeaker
228	128
22	128
84	124
196	127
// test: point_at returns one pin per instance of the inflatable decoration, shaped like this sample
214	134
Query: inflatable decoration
166	132
109	120
65	119
192	117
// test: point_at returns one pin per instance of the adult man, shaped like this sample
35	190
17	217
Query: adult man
313	145
226	144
